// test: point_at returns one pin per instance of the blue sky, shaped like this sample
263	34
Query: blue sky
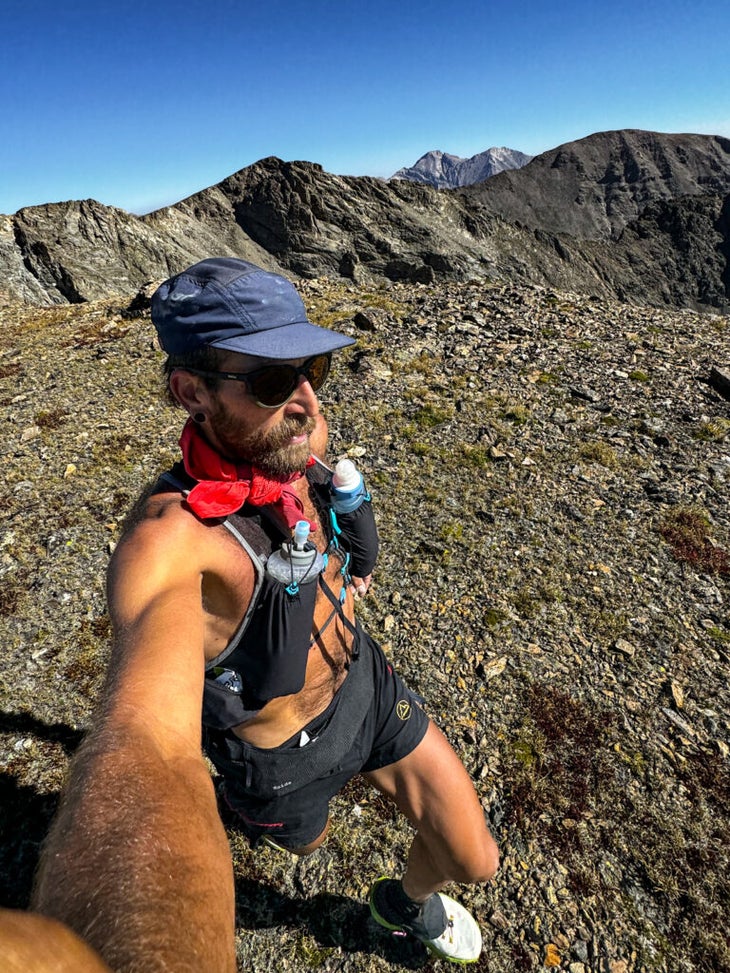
141	104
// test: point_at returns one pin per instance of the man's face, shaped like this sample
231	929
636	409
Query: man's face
276	440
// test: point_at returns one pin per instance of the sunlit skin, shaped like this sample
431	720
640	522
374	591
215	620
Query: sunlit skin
33	944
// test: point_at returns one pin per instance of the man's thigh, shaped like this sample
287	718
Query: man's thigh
434	791
398	723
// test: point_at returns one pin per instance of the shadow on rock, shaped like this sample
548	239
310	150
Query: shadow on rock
24	821
26	814
66	736
335	921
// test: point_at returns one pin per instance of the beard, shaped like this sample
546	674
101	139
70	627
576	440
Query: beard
269	450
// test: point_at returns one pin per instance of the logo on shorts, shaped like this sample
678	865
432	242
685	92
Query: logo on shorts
403	709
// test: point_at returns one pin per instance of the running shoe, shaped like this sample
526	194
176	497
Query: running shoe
444	927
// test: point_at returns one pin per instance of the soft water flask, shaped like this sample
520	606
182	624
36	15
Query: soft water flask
297	561
348	487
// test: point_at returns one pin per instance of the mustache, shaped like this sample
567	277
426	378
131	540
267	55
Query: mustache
291	426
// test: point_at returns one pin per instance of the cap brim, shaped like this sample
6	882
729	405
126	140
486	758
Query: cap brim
300	340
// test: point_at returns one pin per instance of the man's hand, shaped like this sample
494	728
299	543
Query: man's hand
359	586
30	943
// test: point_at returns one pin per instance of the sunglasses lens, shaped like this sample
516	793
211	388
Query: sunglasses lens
273	386
317	371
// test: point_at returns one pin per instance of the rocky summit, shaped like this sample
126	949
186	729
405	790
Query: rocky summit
632	215
550	473
445	171
593	188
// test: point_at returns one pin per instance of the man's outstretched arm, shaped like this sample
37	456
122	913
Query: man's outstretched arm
137	861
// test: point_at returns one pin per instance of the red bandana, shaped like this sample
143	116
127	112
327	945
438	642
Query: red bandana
223	487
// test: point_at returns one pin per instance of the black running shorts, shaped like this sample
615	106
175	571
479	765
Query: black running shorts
393	725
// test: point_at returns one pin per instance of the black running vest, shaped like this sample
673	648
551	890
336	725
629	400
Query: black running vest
267	655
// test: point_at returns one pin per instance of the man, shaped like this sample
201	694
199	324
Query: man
296	698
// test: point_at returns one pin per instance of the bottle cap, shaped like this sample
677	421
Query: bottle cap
346	477
301	534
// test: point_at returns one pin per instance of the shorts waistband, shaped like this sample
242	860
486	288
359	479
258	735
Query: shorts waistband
282	769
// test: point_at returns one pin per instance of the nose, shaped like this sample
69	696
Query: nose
305	396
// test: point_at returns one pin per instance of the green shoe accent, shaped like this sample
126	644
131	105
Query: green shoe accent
265	840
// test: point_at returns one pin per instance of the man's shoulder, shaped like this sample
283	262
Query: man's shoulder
158	502
160	522
167	546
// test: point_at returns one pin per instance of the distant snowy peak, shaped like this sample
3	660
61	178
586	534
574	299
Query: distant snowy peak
446	171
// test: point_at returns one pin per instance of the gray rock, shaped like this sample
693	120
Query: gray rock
720	381
444	171
593	188
576	759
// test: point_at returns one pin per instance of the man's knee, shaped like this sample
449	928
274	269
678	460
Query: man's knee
478	864
489	863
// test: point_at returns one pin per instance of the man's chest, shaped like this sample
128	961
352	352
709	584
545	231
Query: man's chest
237	581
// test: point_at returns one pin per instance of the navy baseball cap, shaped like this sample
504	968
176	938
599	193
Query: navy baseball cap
232	304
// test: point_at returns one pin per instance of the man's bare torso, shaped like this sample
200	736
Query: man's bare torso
226	587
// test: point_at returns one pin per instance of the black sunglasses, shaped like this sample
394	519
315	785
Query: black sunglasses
273	385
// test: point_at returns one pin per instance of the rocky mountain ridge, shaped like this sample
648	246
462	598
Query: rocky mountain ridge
592	188
629	215
445	171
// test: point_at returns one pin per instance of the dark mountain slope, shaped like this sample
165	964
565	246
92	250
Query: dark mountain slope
677	254
314	223
592	188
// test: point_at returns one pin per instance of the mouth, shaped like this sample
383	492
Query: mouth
298	440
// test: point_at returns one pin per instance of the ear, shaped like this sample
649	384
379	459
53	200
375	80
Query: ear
190	391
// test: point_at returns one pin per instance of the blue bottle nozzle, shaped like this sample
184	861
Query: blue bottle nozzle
301	534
